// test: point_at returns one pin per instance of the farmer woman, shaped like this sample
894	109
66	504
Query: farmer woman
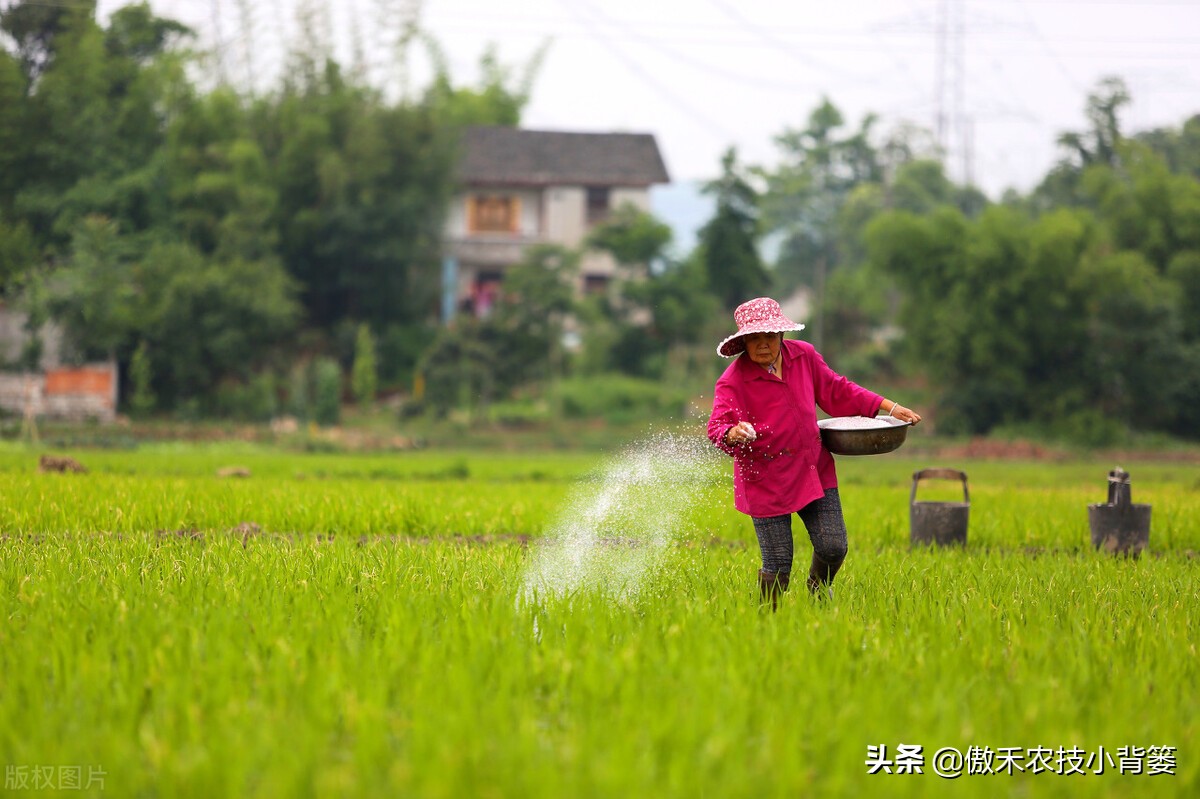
765	416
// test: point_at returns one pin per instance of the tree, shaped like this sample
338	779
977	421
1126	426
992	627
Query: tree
222	194
202	320
212	320
474	362
1135	351
1086	150
141	377
993	309
806	192
1098	145
35	27
14	142
728	241
499	98
632	236
364	377
363	191
95	296
18	254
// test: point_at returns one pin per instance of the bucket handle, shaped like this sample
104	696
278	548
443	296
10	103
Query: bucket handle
938	474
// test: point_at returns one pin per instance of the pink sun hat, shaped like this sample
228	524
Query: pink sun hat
760	315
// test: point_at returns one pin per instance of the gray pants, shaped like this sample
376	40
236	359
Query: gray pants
826	530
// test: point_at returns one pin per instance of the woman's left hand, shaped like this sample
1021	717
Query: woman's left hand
905	414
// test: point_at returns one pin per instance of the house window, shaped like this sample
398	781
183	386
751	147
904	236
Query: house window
490	213
595	284
597	204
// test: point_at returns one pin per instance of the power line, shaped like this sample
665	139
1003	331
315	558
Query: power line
665	92
757	81
782	46
1062	67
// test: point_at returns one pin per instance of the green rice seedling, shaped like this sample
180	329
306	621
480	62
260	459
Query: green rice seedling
368	637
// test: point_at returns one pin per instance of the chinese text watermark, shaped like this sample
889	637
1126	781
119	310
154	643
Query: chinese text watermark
950	762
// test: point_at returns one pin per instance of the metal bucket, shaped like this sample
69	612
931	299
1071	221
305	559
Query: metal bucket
1119	526
942	523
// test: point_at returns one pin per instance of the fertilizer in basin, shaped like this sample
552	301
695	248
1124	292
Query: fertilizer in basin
859	423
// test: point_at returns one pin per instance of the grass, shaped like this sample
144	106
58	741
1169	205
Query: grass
363	647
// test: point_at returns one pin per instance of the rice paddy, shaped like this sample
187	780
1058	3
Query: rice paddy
361	625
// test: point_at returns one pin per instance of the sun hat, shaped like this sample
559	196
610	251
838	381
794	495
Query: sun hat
760	315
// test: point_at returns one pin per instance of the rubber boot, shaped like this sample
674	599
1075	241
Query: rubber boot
820	578
771	585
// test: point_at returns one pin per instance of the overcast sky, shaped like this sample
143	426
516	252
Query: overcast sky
706	74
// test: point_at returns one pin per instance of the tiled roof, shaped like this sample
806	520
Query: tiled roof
495	155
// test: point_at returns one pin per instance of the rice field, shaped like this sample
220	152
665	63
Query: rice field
359	625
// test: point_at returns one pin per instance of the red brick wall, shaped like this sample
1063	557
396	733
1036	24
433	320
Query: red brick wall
80	380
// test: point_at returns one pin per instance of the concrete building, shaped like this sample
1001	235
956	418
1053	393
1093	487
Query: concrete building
55	390
519	188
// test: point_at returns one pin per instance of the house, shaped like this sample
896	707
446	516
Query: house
518	188
55	390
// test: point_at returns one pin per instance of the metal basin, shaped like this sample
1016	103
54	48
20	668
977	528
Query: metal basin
862	441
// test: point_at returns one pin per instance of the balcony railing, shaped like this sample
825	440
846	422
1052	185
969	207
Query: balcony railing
489	249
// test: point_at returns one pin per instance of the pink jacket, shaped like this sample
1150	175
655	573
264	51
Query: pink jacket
786	467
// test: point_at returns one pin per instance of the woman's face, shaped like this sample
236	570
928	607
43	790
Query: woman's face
763	348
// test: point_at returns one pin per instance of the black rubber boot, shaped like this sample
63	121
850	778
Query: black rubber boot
820	577
771	585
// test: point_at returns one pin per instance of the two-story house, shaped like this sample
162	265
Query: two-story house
519	187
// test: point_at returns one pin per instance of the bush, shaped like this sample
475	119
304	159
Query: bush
251	402
364	376
327	391
298	393
142	401
619	399
518	414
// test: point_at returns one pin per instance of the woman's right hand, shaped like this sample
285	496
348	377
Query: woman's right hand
740	433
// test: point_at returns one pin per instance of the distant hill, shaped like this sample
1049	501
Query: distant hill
686	209
683	207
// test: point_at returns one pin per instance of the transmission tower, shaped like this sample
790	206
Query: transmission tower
954	132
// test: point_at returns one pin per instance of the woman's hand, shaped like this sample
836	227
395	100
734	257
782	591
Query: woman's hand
904	414
740	433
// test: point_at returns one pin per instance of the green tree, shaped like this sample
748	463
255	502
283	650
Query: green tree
653	329
327	391
993	310
213	319
632	236
499	98
18	253
364	378
222	193
362	192
35	27
1135	350
728	241
1098	145
95	296
1184	271
805	193
14	140
475	362
141	378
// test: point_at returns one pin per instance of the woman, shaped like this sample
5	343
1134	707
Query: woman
765	416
